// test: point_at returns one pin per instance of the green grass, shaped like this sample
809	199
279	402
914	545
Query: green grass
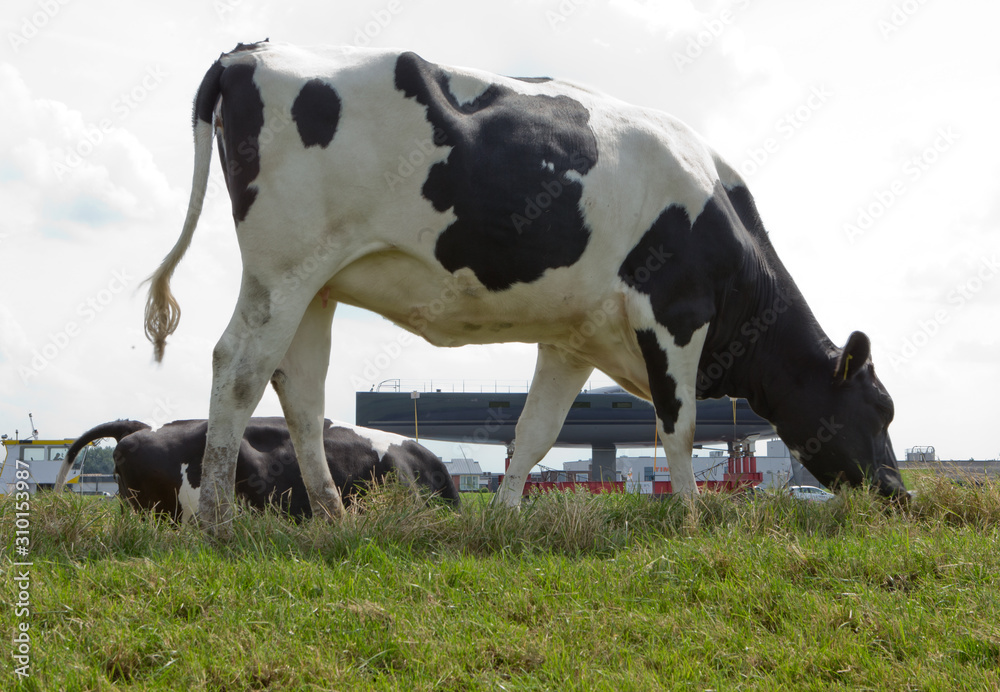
573	592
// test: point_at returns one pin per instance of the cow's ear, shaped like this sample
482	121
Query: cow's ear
854	356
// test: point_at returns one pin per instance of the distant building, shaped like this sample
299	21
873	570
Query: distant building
466	473
921	454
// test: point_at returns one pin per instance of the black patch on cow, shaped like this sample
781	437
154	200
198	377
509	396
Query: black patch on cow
194	463
316	112
533	80
746	209
426	469
684	268
662	387
509	178
246	47
243	120
208	95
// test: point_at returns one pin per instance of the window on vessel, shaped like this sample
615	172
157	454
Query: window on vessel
33	454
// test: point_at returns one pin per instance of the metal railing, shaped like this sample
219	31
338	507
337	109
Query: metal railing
453	386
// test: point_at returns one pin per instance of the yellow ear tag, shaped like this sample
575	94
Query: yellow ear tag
846	364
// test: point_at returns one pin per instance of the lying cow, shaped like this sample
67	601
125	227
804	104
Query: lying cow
160	470
473	208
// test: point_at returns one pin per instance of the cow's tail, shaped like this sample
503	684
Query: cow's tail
116	429
162	311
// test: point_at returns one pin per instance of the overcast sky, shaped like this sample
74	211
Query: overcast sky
866	130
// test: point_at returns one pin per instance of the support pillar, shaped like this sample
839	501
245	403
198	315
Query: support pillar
602	464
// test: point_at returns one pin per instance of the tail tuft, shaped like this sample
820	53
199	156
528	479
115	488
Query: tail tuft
162	311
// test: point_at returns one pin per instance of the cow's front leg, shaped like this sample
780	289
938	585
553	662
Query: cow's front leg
559	377
299	382
672	372
242	363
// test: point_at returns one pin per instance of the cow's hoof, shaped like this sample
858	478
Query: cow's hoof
328	507
330	514
506	501
216	521
220	532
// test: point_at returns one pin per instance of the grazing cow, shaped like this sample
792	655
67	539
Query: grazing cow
161	470
469	207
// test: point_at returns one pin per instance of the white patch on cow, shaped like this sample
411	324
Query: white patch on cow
549	166
379	439
466	88
188	497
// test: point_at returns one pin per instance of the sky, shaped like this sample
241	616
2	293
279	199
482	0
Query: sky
867	132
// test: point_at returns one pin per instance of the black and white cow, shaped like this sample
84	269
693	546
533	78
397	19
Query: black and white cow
160	470
469	207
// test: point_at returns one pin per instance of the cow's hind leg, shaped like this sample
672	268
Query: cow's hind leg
299	381
672	372
257	337
559	377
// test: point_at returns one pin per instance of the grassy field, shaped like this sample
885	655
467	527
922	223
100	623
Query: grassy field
574	592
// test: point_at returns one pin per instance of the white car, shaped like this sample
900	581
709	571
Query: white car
811	493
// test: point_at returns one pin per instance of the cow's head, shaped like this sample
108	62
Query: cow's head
838	428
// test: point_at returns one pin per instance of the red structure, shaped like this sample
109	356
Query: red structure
740	474
742	471
659	487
